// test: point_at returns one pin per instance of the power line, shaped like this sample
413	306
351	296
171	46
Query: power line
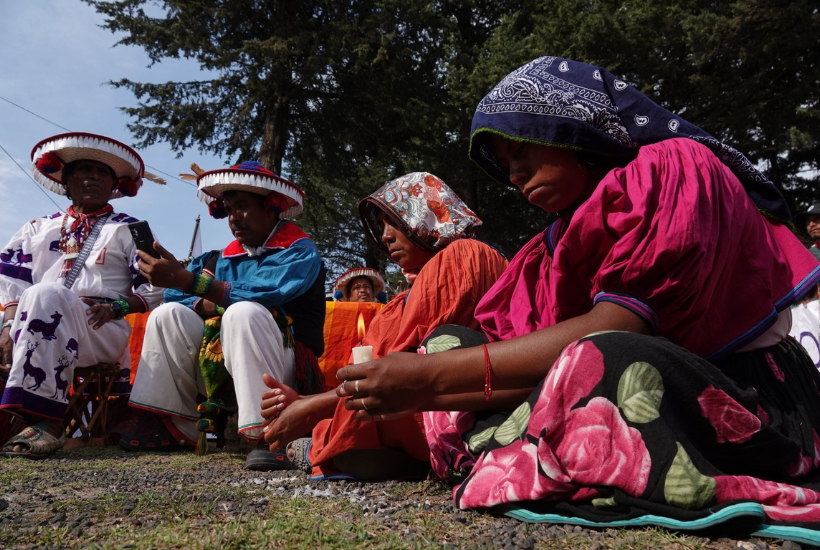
32	179
67	130
35	114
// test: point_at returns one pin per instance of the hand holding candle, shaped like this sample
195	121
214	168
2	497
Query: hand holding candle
362	354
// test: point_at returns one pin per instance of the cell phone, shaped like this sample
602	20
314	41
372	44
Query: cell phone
143	237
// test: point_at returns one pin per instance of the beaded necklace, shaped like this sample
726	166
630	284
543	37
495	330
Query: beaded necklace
73	238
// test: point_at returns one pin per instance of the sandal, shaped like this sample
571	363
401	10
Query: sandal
301	447
40	443
157	437
263	460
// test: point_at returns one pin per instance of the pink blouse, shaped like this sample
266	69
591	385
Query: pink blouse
673	237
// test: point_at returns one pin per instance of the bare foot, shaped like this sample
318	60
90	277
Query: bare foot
52	427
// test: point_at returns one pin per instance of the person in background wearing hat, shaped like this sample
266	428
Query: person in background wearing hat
811	218
66	282
256	307
360	284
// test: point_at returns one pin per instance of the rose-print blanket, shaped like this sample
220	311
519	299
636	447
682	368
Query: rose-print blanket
626	426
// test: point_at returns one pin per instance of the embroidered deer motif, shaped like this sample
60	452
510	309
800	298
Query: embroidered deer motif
7	255
73	348
37	373
46	329
62	385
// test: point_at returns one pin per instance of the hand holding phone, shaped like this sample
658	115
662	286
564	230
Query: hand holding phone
143	237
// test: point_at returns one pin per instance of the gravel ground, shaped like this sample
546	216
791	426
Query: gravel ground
106	497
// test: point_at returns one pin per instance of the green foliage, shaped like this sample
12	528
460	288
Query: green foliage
347	95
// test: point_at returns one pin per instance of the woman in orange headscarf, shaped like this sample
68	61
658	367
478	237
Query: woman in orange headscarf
424	227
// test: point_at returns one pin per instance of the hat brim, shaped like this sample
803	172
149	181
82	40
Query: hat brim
74	146
370	273
213	184
800	217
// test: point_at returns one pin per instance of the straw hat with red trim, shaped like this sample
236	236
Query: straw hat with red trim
372	274
52	154
251	177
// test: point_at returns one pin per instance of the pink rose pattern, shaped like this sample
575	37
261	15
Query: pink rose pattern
731	421
598	448
590	445
774	368
578	445
781	502
510	474
566	384
762	415
805	464
448	451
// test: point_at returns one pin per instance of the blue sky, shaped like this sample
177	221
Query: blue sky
55	60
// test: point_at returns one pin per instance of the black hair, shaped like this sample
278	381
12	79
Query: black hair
232	193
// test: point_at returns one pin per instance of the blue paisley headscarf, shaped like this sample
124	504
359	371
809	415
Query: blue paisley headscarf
563	103
422	207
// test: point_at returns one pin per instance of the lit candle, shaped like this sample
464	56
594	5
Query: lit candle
362	354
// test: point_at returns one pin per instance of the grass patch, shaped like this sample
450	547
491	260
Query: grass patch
107	498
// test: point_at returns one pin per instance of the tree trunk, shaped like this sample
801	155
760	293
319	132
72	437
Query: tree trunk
372	255
471	193
275	135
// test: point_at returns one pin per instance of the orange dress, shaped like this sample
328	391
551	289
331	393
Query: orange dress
446	291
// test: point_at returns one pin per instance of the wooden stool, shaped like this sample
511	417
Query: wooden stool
88	405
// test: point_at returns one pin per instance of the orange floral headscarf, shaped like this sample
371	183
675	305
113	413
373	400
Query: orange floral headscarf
423	207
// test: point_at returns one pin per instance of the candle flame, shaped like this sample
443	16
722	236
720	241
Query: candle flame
360	327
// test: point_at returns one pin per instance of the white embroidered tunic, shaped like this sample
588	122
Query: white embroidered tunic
32	256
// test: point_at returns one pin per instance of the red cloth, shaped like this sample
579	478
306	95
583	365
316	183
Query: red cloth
446	291
137	322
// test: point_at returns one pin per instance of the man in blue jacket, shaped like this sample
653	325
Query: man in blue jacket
255	307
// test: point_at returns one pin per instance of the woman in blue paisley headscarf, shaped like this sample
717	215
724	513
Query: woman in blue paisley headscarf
633	363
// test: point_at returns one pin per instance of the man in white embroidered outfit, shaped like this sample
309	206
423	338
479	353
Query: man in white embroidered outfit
255	307
66	282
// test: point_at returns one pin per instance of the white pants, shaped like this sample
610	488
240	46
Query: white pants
169	379
52	338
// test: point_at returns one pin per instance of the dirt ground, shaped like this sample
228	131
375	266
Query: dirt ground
108	498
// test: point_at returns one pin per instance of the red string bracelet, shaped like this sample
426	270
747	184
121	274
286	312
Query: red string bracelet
488	386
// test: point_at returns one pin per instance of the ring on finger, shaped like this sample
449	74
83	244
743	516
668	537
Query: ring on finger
357	386
363	405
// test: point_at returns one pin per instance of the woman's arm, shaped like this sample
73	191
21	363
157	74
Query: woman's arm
477	401
401	382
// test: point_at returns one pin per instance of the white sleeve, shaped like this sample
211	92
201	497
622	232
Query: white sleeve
16	261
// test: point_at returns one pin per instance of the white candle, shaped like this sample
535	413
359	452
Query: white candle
362	354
